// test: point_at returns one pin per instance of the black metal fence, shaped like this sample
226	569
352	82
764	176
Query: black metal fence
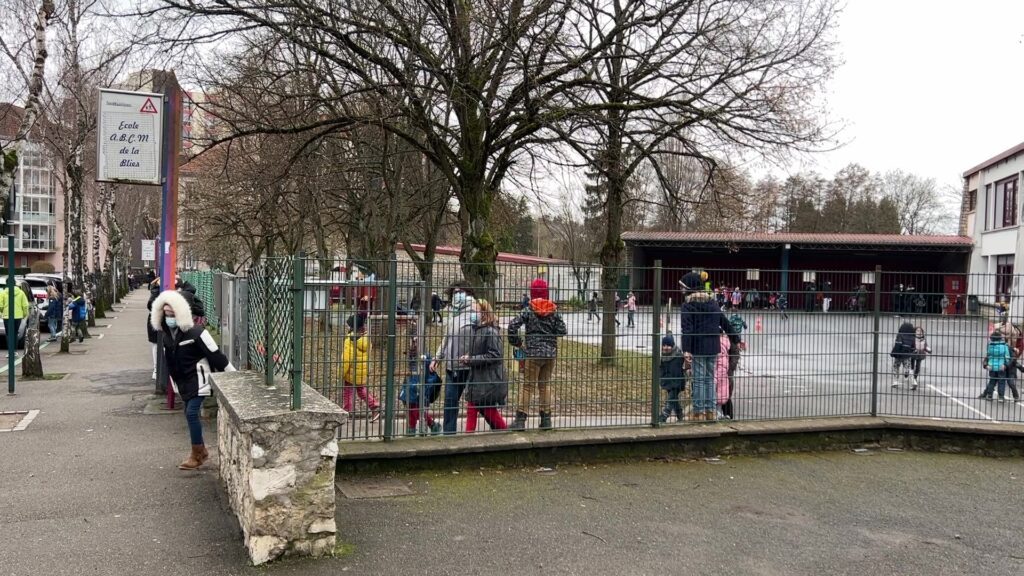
814	344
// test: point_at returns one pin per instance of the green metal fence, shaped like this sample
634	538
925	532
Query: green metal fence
203	280
815	344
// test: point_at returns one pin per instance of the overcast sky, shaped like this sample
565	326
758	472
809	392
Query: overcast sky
932	88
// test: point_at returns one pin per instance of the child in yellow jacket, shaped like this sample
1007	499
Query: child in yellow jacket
355	367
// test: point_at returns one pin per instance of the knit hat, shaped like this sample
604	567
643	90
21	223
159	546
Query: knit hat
996	336
538	289
668	340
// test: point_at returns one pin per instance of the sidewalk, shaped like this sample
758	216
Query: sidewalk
91	485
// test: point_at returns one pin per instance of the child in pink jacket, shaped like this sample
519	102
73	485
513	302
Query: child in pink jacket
722	372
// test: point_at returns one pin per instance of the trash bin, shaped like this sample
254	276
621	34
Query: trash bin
973	306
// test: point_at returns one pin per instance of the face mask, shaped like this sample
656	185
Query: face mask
459	299
171	322
474	318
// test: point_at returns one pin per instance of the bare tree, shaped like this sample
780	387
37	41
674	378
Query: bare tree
25	60
921	206
691	79
574	244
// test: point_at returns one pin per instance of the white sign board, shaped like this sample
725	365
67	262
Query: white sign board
130	128
148	250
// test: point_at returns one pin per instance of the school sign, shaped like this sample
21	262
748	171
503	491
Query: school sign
129	131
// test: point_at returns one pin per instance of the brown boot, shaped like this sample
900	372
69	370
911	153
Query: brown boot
204	454
697	416
710	416
194	459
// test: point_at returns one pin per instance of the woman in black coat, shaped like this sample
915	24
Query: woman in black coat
487	385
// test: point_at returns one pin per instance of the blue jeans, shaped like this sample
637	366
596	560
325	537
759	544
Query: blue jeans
704	384
52	323
195	427
455	385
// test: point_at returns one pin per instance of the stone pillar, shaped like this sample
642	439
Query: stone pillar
278	465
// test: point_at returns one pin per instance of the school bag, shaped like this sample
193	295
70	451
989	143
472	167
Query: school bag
737	323
410	393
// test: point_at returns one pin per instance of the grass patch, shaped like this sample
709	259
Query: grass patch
584	382
53	376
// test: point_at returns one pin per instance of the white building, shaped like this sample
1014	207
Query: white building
990	216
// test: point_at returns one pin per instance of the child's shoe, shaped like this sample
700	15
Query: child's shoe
435	429
984	396
375	415
1002	398
913	383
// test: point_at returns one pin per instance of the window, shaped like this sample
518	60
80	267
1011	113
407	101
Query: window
1004	274
972	200
809	276
1001	204
867	277
1008	190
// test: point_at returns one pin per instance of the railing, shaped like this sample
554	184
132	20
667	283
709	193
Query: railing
821	350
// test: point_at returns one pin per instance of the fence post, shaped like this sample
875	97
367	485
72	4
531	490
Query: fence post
268	294
389	378
298	326
877	319
656	348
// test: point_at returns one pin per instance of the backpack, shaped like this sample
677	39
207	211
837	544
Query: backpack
737	323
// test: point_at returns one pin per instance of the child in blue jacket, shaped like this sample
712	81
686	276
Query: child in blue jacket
997	359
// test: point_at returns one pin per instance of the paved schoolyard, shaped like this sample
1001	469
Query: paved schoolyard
822	364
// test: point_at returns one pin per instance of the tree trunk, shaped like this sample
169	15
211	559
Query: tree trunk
65	333
32	362
9	160
479	252
611	250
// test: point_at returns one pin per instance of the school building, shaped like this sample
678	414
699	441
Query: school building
990	216
802	265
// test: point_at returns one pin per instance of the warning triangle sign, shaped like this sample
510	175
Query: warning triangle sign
148	107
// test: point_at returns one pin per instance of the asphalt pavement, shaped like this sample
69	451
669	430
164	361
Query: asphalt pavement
90	486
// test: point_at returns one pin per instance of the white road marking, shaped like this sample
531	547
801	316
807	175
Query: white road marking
18	361
978	412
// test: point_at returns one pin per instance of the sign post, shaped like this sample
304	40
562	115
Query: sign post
139	142
148	252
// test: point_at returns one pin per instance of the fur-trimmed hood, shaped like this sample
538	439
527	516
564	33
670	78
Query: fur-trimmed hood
182	311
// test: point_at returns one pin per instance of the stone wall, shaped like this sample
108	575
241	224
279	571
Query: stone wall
278	465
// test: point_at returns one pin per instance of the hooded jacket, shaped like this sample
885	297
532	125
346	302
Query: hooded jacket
190	351
671	373
543	327
702	322
458	334
20	304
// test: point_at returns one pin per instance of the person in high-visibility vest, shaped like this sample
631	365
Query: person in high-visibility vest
20	308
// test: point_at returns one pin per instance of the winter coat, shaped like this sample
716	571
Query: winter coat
997	357
593	305
54	308
543	327
435	303
702	322
487	384
80	310
904	344
456	341
154	293
20	304
722	371
191	353
672	378
921	347
194	303
631	303
355	359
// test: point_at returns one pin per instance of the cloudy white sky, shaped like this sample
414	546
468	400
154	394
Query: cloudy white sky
930	87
